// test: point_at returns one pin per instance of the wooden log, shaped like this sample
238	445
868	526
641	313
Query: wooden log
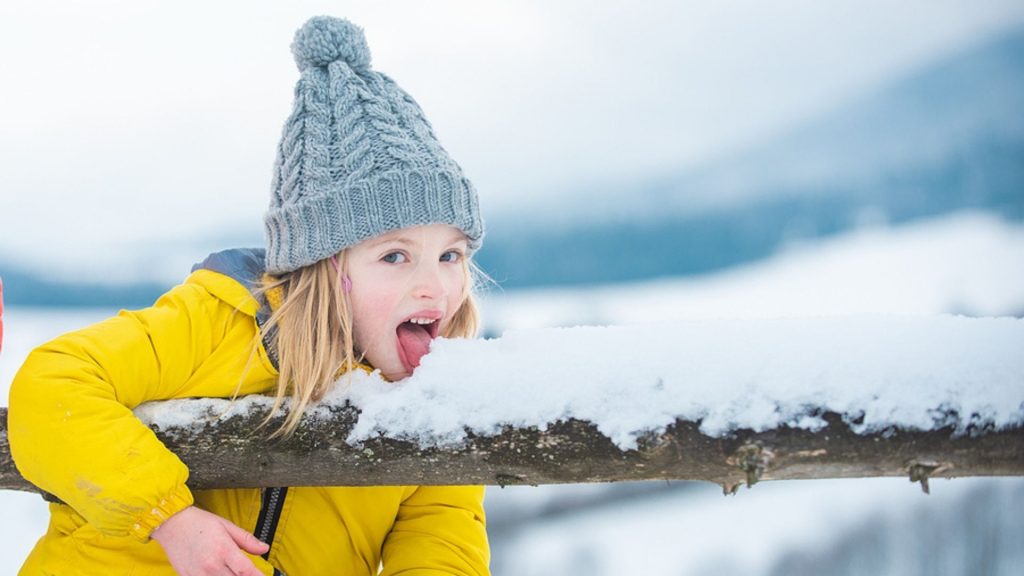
234	452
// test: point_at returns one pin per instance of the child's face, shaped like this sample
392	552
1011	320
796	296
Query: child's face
406	286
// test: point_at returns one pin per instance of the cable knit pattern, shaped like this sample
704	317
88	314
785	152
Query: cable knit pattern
357	157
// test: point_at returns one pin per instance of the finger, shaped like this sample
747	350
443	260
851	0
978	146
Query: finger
245	539
239	565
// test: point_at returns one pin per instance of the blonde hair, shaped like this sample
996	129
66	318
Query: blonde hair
314	342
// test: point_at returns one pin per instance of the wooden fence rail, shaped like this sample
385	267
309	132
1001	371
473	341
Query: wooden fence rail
232	452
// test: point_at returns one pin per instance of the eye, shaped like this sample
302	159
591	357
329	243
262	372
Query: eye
394	258
451	256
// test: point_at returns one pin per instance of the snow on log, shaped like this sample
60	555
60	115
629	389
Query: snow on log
726	401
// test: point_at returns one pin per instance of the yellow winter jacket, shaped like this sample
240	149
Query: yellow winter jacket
73	434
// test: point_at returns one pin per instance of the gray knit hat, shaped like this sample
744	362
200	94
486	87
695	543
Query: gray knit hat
357	157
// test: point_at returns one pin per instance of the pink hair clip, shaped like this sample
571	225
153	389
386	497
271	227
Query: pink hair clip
346	282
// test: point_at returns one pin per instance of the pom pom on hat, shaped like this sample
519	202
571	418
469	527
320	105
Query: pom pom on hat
324	39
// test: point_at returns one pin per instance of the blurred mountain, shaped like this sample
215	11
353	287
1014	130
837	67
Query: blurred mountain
945	138
26	288
142	271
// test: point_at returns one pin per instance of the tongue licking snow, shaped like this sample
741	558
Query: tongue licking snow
415	342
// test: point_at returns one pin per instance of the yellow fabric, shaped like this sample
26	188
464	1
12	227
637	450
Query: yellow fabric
275	296
72	433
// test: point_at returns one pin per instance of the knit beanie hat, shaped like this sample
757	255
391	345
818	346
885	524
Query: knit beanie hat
357	157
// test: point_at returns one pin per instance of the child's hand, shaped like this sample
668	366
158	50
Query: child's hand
199	543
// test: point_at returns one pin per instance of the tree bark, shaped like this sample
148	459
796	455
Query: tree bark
234	452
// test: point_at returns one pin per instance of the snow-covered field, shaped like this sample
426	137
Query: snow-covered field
965	527
971	264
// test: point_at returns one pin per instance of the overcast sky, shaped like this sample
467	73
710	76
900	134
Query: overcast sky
124	123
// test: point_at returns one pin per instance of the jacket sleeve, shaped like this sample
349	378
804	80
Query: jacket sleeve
70	422
440	530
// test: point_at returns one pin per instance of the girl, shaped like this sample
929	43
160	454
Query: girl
369	234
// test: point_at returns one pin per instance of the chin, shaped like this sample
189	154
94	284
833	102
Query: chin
395	375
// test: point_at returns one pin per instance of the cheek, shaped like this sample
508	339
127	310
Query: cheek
368	319
372	298
455	281
455	290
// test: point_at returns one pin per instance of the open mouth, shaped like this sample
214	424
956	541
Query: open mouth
414	337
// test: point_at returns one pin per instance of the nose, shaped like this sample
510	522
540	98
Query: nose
428	282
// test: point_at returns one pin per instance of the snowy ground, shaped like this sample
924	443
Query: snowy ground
970	264
699	532
964	264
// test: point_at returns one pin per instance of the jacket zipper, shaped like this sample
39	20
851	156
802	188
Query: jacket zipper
270	515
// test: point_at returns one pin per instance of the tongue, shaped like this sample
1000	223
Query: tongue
415	342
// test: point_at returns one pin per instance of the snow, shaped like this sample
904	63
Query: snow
698	532
882	371
968	263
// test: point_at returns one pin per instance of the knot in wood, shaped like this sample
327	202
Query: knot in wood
753	459
921	471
